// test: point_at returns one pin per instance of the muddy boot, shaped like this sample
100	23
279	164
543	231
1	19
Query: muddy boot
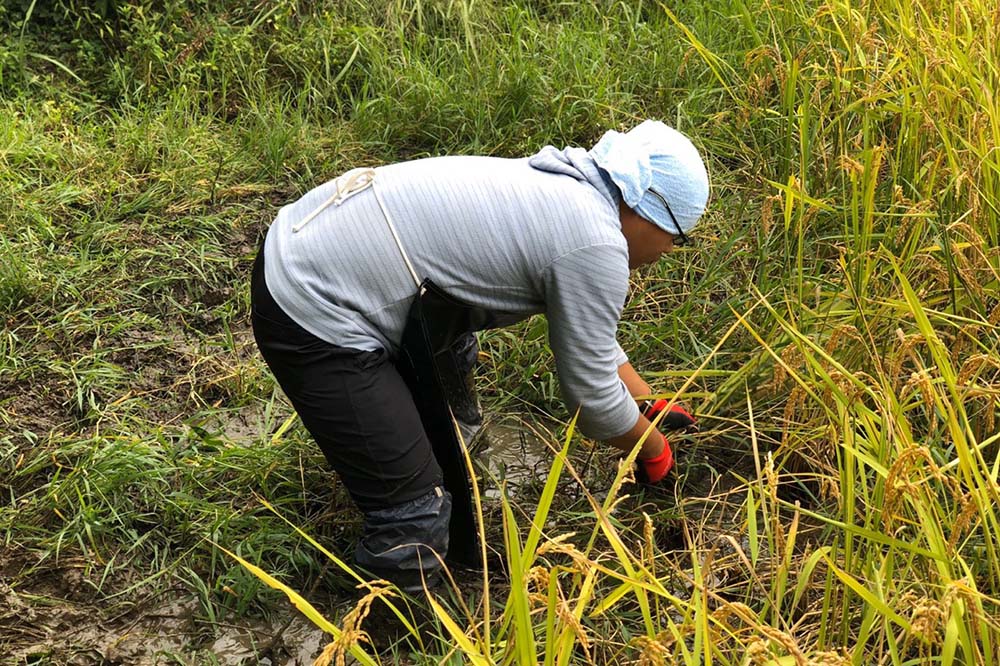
406	543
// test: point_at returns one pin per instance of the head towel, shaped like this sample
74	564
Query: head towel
655	157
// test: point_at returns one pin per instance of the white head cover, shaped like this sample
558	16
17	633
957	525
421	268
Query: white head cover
655	157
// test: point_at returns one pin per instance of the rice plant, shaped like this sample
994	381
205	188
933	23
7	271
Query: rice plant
835	328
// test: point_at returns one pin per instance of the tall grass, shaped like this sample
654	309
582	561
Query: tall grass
836	325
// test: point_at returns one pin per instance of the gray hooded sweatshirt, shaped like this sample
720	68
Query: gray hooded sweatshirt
515	236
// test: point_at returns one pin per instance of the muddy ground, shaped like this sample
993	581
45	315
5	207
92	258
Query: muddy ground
58	616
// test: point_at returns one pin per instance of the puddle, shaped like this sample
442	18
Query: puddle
511	453
298	644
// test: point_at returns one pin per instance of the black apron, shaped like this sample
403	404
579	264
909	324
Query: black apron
436	378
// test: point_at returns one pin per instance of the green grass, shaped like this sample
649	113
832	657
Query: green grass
836	327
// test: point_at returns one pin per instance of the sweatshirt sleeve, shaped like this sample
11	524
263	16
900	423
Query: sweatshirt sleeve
585	292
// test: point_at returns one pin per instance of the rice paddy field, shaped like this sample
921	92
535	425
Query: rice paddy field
835	327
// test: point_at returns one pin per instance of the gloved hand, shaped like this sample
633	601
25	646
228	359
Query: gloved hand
652	470
675	419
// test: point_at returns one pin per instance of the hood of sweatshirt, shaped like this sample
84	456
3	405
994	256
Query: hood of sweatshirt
577	163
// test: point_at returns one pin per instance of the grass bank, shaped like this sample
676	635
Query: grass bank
836	328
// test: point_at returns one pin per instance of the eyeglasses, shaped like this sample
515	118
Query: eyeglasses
680	238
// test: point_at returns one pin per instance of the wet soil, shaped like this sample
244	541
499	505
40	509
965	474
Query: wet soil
512	457
39	629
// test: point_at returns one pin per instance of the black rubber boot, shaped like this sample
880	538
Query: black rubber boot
406	543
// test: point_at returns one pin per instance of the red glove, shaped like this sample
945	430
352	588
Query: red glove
652	470
675	419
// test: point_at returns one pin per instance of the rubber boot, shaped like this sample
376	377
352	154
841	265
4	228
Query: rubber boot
406	543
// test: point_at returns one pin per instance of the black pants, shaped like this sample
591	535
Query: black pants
354	404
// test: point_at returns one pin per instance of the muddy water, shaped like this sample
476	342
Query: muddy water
511	455
299	643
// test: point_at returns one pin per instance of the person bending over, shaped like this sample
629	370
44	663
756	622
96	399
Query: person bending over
362	281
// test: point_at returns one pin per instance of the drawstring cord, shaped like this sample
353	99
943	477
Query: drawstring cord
395	236
349	184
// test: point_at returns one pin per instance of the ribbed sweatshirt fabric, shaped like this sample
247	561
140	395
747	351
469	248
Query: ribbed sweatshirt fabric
515	236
